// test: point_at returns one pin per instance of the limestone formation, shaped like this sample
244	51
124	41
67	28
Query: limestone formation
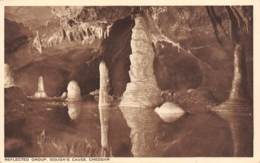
8	77
236	110
104	97
40	93
142	93
142	90
104	106
74	93
169	112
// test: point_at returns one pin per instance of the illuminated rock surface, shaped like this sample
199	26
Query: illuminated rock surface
40	91
74	93
142	90
8	77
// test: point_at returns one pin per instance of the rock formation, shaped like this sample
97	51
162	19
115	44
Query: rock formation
74	93
8	77
169	112
104	105
142	93
40	93
236	110
142	90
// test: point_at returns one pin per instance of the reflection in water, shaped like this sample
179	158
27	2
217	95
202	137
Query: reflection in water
144	124
240	119
204	134
74	109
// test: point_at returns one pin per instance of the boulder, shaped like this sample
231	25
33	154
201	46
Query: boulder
169	112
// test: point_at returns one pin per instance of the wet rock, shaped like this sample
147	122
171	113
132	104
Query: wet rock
169	112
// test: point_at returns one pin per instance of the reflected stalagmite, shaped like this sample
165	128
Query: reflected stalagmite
142	93
8	77
40	90
74	109
104	105
236	110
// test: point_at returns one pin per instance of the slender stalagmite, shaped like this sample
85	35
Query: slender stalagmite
104	105
40	89
236	110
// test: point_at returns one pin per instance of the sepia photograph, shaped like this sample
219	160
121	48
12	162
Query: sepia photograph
128	81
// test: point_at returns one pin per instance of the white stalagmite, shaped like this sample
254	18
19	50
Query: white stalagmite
8	77
142	90
74	93
104	105
74	100
40	93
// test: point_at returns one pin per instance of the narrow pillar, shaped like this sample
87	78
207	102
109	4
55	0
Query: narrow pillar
104	106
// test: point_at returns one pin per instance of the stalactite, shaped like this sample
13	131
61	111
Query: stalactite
37	44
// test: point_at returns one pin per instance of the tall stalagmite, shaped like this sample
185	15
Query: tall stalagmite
237	110
40	90
142	93
142	90
104	105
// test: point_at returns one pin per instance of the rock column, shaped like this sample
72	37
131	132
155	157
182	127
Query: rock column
104	106
142	93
